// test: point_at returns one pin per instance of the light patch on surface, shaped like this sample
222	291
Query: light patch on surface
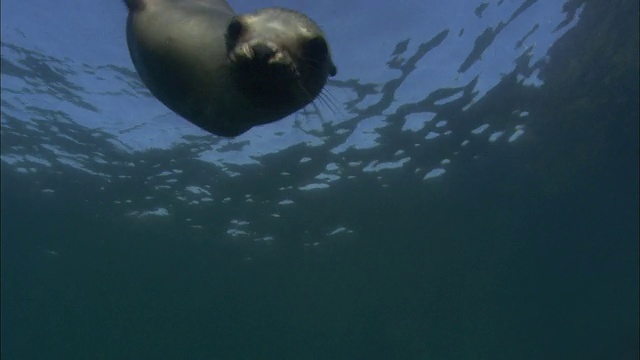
480	129
37	160
340	229
533	80
495	136
416	122
327	177
265	238
239	222
376	166
434	173
51	253
99	160
79	166
236	232
332	167
516	135
11	159
449	99
148	213
286	202
197	190
313	187
432	135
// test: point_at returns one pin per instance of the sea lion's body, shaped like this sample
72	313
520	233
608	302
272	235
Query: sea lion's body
223	72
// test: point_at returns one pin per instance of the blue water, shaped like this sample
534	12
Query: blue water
467	189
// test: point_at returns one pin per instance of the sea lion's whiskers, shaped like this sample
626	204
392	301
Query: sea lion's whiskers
329	101
326	100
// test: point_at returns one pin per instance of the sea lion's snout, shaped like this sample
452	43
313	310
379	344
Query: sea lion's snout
259	53
263	59
262	52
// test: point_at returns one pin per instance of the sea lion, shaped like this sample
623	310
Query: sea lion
225	72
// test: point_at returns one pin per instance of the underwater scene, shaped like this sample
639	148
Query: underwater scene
419	180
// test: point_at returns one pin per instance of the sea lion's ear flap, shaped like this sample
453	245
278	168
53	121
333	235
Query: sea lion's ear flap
332	69
135	5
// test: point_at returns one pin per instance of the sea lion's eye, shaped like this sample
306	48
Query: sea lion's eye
234	30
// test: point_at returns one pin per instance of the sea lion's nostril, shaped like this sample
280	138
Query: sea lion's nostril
262	52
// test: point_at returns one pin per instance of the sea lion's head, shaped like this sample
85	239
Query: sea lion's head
280	59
